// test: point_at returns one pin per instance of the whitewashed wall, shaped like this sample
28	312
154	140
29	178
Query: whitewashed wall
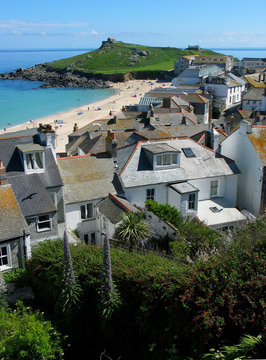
238	147
137	195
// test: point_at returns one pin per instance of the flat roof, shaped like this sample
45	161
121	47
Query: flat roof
160	148
183	188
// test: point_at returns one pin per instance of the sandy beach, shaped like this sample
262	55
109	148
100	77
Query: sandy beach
127	93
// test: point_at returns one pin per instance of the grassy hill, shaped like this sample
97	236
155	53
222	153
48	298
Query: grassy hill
120	58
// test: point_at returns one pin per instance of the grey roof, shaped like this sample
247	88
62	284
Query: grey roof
124	154
156	148
30	147
184	187
205	164
112	208
236	78
31	195
148	100
254	94
182	130
12	221
20	133
86	178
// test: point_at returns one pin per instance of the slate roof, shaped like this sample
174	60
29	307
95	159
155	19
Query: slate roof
254	94
86	178
258	141
160	148
113	206
12	221
30	189
205	164
183	188
31	194
123	154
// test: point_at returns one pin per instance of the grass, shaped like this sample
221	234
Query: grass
120	58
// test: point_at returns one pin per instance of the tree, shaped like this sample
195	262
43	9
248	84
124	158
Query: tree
133	230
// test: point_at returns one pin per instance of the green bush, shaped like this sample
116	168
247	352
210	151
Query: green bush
17	276
25	335
166	307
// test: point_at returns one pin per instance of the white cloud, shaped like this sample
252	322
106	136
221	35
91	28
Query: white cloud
93	32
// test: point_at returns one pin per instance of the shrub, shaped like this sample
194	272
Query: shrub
25	335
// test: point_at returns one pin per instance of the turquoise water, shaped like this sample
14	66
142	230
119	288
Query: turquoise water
21	101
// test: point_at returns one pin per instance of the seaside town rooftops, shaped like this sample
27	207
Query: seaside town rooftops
12	221
86	177
137	171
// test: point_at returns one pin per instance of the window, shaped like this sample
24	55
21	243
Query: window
44	222
150	194
90	238
188	152
192	201
214	188
34	161
5	260
166	159
86	211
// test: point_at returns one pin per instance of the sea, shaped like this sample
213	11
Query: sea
22	101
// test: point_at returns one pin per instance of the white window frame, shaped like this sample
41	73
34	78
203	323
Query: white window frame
212	193
34	168
38	221
87	217
150	196
8	256
162	158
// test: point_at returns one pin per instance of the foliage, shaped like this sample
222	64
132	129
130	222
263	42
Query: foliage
166	308
133	230
195	239
121	58
166	212
243	350
109	297
25	335
17	276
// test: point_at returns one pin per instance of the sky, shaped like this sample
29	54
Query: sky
83	24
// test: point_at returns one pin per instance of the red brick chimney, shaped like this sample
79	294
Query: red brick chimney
3	178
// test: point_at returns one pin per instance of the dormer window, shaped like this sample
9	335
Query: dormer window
162	156
32	156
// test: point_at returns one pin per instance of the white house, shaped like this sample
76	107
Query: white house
247	146
226	91
87	181
184	174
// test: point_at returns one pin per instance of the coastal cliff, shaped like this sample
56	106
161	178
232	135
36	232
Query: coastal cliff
56	78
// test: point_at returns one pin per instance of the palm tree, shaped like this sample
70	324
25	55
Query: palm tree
133	229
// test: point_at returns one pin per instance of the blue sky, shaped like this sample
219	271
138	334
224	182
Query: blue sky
84	24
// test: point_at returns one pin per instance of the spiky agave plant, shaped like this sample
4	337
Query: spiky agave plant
109	296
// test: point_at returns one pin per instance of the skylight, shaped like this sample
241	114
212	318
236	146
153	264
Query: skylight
188	152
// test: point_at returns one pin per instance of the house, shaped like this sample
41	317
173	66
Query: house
225	62
87	181
14	231
196	75
110	211
183	63
30	163
249	65
247	146
226	91
252	100
180	172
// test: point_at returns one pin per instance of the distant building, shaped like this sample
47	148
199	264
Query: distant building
196	75
253	99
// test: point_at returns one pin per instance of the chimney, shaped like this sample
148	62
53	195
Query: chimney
114	119
183	121
46	136
3	178
245	127
166	102
111	144
136	125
